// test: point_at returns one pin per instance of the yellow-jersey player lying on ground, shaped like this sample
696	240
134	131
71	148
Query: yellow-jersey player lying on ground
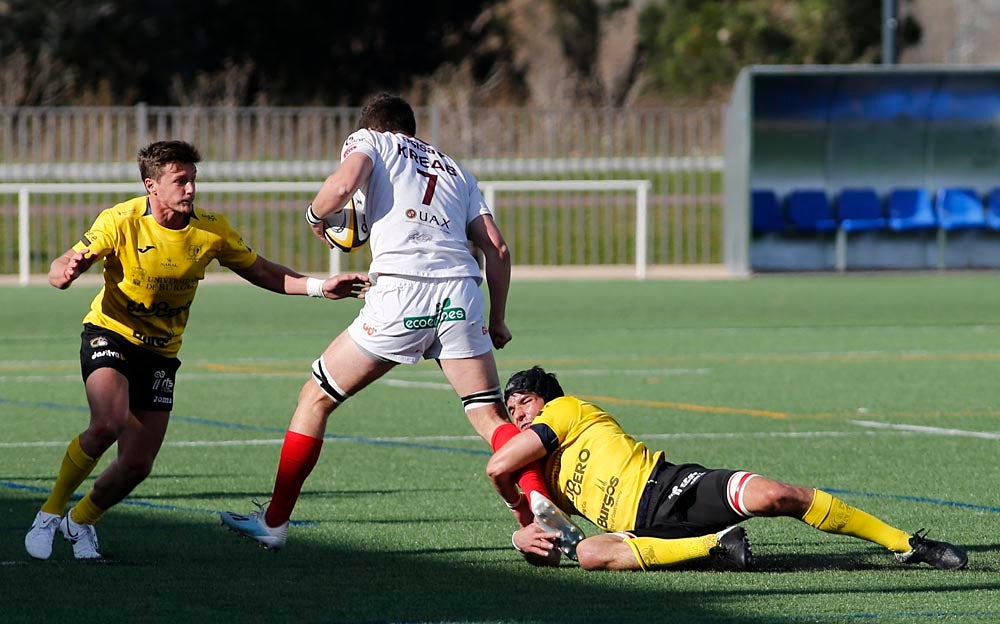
656	514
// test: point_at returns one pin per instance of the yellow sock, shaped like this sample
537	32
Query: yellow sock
832	515
654	553
86	512
76	466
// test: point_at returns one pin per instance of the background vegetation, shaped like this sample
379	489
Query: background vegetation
492	52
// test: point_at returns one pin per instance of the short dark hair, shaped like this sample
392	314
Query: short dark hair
386	112
155	157
534	379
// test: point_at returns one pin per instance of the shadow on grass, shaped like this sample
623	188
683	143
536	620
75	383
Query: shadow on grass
162	569
166	567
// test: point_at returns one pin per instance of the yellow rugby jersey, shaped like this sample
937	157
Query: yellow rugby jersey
151	272
594	468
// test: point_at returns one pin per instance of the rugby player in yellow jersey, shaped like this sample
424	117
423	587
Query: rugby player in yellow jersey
656	514
155	249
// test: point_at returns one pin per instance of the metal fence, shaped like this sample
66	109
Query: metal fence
677	150
575	223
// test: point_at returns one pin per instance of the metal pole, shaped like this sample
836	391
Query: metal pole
23	237
641	229
889	25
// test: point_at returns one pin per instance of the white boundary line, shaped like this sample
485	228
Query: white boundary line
985	435
188	377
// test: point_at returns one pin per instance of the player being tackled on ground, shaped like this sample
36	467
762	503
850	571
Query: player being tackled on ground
155	249
657	514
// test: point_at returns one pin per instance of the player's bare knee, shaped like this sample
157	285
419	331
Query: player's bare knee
782	499
99	437
135	470
592	556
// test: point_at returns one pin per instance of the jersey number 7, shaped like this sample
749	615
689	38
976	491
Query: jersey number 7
432	181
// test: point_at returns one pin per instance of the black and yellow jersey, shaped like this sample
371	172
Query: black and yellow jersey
151	272
593	468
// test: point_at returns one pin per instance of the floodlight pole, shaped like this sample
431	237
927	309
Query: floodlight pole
889	25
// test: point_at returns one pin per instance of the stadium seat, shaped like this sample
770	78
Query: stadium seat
911	209
960	208
993	209
766	212
860	209
809	210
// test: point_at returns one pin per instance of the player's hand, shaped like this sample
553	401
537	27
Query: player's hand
78	263
318	229
344	285
500	335
536	541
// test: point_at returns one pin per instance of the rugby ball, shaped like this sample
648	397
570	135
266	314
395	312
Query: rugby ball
348	229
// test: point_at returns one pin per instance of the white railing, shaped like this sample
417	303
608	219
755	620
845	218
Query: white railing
640	189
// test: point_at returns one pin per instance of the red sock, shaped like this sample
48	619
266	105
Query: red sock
530	477
299	454
502	435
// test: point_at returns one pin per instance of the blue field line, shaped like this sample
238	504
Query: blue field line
916	499
46	404
10	485
482	452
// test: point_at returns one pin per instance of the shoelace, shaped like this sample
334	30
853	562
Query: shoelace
260	506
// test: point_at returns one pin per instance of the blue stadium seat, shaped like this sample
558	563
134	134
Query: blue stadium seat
809	210
993	209
860	209
766	212
911	209
960	208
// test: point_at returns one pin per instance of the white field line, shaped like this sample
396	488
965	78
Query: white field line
214	376
470	438
985	435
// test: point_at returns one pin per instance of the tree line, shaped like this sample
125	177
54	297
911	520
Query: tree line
247	52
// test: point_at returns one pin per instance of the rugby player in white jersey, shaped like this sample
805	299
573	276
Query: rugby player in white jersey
423	209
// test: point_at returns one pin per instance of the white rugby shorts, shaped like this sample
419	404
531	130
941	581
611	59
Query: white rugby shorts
408	318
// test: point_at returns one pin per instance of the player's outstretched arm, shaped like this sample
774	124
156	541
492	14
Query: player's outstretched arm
280	279
66	268
346	285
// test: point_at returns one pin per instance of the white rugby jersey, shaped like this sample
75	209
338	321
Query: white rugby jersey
418	204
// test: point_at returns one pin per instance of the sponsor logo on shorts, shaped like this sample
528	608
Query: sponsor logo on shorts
98	342
107	353
444	314
685	483
162	383
163	399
